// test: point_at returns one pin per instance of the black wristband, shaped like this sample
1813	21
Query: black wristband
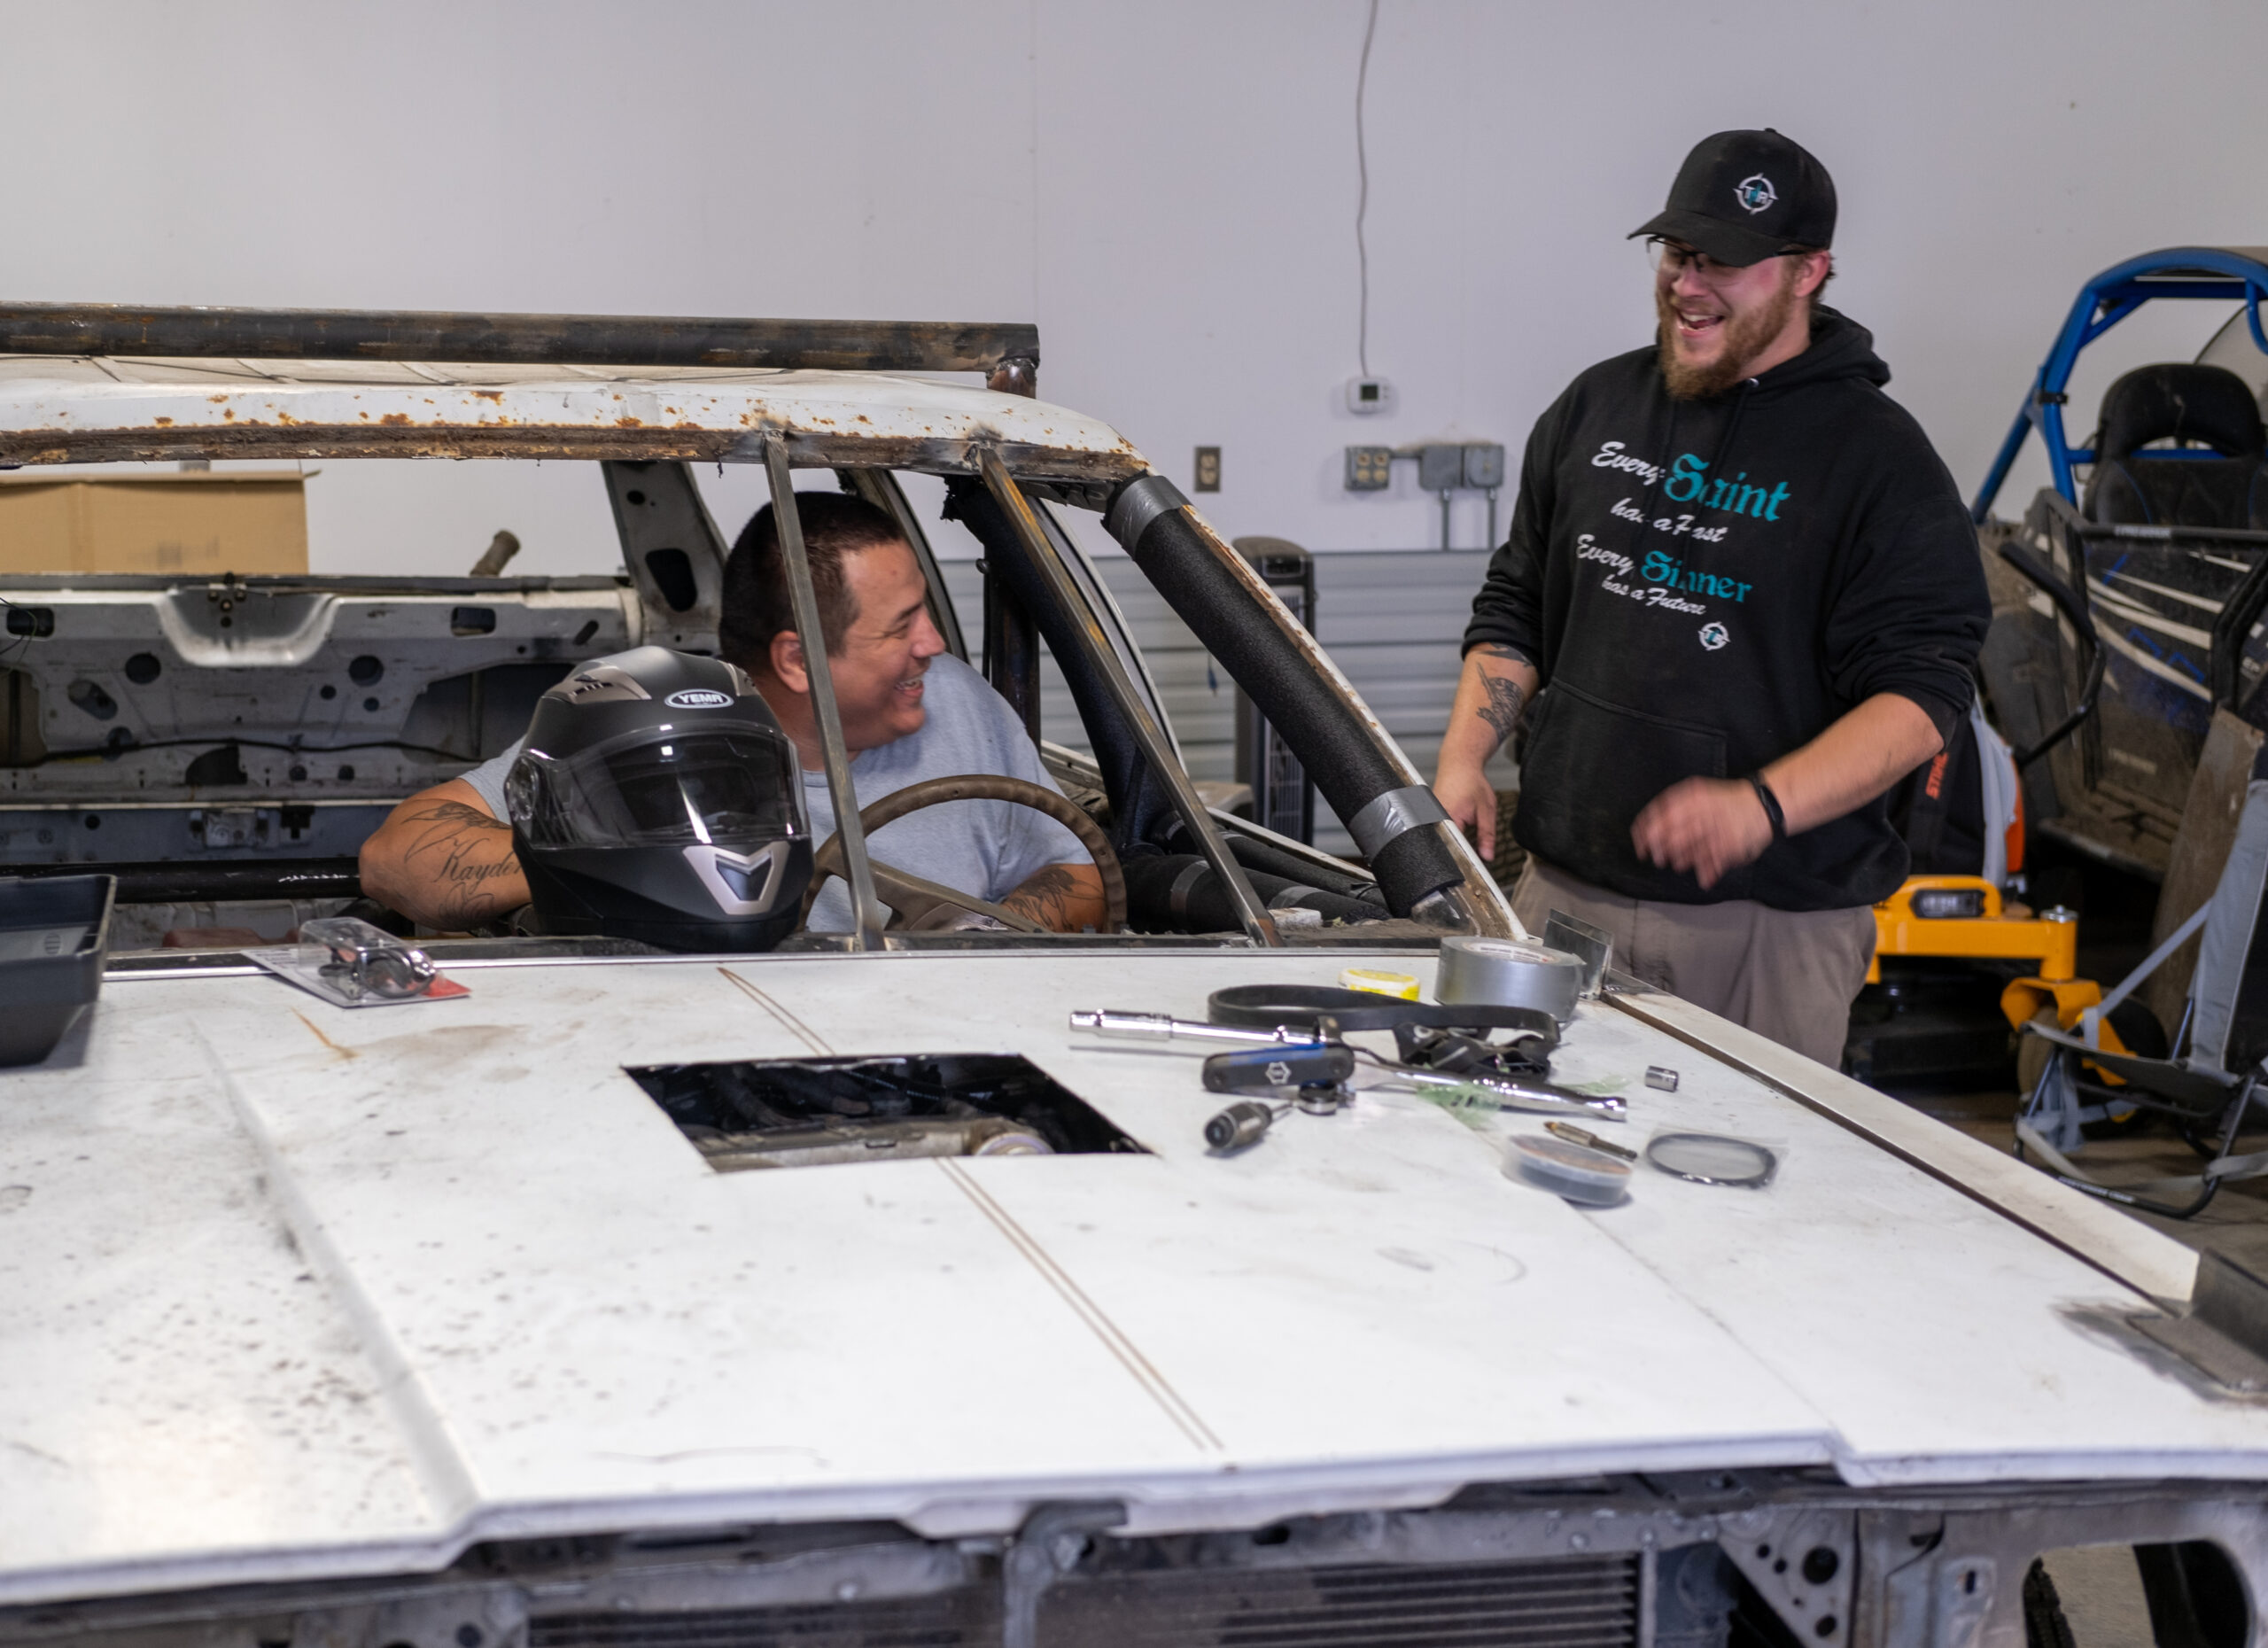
1779	820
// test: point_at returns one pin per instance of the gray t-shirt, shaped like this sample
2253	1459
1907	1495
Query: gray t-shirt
989	848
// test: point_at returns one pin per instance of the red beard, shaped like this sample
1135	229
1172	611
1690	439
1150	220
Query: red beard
1746	336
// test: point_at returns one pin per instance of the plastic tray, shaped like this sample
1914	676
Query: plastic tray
54	939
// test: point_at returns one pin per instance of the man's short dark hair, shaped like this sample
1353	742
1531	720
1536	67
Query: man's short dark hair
756	604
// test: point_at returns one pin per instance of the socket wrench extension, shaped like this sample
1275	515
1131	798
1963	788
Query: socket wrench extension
1164	1027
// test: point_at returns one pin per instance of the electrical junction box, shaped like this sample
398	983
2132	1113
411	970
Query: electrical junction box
1369	468
1441	468
1367	395
1484	466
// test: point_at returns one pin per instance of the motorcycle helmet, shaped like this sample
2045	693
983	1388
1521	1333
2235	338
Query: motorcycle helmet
657	799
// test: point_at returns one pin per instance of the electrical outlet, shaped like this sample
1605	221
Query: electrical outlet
1209	469
1484	466
1369	468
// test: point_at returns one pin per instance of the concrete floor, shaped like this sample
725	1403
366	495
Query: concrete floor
2101	1592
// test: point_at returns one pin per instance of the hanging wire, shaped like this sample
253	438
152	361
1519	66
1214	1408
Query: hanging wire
1363	195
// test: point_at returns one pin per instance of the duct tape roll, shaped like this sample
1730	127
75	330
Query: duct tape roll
1506	973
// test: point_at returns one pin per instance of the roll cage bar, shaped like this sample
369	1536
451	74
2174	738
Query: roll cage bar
2228	274
1006	352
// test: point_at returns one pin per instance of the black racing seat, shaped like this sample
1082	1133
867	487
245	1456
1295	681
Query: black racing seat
2207	404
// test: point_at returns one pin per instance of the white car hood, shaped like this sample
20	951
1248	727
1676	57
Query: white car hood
290	1290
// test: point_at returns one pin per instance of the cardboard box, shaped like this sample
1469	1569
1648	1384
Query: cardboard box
192	522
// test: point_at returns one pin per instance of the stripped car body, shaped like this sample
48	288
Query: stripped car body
431	1325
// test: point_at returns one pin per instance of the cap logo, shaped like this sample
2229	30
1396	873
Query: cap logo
1755	192
699	698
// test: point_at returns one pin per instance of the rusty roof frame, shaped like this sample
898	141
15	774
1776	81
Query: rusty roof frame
58	409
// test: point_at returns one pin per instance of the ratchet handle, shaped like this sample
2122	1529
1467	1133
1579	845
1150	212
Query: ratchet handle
1265	1069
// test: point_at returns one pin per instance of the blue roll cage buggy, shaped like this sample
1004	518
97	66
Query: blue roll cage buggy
2228	274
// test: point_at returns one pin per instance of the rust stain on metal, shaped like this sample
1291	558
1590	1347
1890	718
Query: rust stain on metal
401	419
164	422
627	421
497	395
314	1030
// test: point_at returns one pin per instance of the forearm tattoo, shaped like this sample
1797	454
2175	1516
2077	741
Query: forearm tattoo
1503	710
1045	898
1048	898
457	850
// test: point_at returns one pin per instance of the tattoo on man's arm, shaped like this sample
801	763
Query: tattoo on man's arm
1047	896
449	823
458	845
1503	710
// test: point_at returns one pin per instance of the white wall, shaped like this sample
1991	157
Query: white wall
1168	188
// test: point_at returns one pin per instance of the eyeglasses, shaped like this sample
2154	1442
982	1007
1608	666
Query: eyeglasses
1672	260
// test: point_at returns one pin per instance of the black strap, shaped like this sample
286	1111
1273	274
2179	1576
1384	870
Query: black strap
1264	1006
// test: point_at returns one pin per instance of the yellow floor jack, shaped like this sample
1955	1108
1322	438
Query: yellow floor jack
1922	1021
1965	918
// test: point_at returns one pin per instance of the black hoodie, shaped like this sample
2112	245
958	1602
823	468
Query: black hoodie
1705	586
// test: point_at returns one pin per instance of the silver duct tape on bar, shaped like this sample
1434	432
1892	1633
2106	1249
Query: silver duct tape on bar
1137	504
1506	973
1394	813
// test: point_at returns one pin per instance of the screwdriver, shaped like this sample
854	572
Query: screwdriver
1575	1135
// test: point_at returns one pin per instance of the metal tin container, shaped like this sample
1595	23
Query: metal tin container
54	940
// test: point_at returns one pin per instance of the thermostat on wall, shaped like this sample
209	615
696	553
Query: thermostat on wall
1366	395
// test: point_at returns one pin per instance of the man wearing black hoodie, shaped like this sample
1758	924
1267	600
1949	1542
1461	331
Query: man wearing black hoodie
1751	600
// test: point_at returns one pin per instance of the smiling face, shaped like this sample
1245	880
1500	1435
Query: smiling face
1720	324
886	648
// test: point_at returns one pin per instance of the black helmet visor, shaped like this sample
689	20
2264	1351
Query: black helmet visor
736	788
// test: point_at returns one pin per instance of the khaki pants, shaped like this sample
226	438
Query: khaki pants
1789	975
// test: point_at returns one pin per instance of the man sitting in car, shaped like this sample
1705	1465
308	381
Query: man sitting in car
910	711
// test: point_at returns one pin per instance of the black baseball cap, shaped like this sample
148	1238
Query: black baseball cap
1743	197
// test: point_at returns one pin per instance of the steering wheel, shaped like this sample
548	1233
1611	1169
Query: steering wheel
921	903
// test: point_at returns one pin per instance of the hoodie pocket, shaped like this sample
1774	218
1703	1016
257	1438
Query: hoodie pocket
1591	768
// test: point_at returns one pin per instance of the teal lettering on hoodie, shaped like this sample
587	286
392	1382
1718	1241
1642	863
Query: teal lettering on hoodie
1687	477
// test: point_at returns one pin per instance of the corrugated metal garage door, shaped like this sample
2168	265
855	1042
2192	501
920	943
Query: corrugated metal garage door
1391	619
